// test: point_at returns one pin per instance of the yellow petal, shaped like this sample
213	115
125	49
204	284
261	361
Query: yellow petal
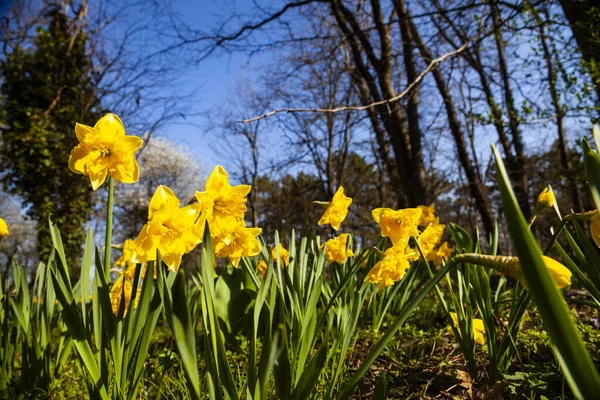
3	229
127	171
129	144
97	178
163	200
111	128
82	131
173	261
217	179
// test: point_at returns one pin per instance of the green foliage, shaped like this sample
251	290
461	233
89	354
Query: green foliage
47	86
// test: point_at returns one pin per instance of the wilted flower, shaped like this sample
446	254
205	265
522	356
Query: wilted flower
171	230
241	242
392	267
398	225
335	249
283	254
428	215
105	150
3	229
476	324
261	267
222	203
337	210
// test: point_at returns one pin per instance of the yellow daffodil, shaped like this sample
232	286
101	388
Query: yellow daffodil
337	210
595	228
398	225
283	254
429	238
105	150
392	267
428	215
122	287
545	199
3	229
335	249
241	242
443	252
128	253
560	273
171	230
477	325
511	266
223	204
261	267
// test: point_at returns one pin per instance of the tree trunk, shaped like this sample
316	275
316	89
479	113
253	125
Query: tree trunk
476	186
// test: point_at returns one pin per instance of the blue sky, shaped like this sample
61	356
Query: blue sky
213	77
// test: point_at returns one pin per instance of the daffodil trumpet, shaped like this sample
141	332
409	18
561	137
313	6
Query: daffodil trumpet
512	267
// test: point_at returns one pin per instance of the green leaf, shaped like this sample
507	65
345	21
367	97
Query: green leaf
574	359
591	160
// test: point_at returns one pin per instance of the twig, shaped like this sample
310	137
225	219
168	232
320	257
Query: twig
365	107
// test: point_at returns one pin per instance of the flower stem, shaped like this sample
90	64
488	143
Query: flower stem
109	216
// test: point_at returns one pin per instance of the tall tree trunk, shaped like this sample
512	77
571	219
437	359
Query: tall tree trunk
380	86
519	173
476	186
414	131
560	130
579	13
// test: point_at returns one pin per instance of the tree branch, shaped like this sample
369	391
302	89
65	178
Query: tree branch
368	106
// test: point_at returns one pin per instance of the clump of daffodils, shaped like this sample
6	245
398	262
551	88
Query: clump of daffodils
223	206
400	226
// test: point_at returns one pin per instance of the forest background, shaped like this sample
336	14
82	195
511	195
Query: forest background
397	101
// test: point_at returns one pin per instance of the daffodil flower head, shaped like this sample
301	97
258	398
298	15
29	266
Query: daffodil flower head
337	249
545	199
444	252
428	215
3	229
477	325
392	267
240	242
104	150
398	225
122	289
337	210
283	254
171	230
222	203
261	267
128	253
511	266
429	238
